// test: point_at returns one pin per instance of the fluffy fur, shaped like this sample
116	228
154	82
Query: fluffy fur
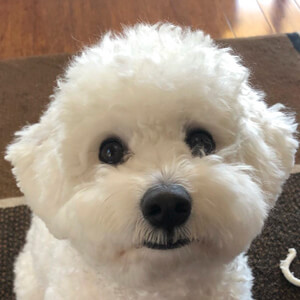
148	86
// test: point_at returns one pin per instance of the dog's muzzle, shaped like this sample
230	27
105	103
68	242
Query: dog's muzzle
166	206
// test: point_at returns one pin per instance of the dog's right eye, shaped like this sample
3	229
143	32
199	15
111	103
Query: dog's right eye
112	151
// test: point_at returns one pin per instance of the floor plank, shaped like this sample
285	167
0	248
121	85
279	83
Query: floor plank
34	27
297	3
37	27
246	18
283	15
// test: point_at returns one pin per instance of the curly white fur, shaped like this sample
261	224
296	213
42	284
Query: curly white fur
148	86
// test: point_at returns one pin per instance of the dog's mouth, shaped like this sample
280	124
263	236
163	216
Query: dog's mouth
178	244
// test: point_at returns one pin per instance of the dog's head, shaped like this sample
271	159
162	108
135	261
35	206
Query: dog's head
155	152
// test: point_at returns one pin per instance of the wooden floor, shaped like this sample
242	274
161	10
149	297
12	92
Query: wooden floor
36	27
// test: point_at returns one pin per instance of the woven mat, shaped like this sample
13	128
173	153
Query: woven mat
25	85
14	223
280	233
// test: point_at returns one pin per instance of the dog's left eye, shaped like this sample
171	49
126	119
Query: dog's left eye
111	151
201	142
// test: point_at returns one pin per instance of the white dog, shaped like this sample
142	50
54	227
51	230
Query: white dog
150	173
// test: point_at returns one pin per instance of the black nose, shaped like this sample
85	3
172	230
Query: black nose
166	206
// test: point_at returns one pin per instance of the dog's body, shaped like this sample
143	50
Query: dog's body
150	173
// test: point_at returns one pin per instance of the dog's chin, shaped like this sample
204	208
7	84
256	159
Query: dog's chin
169	246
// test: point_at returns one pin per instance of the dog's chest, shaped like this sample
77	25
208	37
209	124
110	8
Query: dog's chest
62	274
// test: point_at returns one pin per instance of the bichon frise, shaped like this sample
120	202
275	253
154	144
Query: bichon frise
150	173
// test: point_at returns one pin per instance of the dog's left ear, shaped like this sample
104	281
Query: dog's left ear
280	133
270	145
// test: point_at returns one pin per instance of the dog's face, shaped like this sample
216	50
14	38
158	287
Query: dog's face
155	153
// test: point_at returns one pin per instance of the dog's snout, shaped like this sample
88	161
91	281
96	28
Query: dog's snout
166	206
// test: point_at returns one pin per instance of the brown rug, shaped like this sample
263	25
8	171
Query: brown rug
280	233
25	85
14	223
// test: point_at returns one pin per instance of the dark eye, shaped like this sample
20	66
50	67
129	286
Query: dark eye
111	151
201	142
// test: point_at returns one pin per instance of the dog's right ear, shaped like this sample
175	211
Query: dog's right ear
22	152
34	158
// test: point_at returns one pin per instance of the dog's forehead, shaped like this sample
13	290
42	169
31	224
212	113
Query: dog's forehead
145	105
144	113
129	81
